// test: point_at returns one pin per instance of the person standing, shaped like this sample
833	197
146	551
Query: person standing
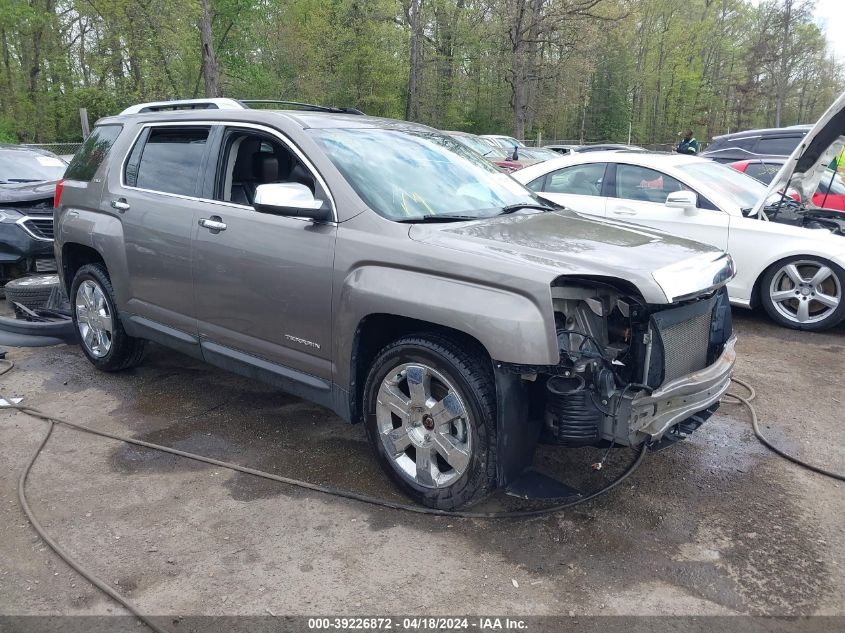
688	145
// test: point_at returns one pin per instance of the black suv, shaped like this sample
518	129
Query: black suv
27	184
779	141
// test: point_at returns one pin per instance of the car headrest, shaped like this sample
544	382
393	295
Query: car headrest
243	169
265	167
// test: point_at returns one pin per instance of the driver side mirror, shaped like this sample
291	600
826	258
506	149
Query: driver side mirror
685	200
290	199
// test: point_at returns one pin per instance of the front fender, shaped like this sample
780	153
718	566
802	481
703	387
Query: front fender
512	327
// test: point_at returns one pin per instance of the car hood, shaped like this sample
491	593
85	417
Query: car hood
805	167
26	192
663	267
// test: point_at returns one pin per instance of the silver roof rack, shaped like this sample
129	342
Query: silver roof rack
186	104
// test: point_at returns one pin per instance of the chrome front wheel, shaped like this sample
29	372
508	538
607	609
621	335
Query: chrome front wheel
429	409
94	319
424	425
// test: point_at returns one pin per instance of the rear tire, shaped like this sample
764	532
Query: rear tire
430	414
102	337
804	292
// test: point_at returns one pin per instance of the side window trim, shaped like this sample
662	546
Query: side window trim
210	125
608	187
208	166
133	161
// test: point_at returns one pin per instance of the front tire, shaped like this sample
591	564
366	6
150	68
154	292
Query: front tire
101	335
804	293
430	414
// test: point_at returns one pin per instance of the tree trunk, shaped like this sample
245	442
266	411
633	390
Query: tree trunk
210	69
412	103
783	78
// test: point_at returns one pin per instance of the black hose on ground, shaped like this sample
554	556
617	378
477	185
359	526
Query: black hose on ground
7	366
346	494
733	398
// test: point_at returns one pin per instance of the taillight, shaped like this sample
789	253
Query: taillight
57	198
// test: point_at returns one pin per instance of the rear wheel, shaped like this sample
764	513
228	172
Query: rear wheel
95	316
429	407
804	293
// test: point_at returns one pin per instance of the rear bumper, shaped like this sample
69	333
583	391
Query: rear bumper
653	414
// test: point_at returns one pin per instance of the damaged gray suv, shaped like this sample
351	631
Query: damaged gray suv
385	271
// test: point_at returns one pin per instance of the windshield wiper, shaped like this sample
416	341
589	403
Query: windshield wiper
439	218
10	180
511	208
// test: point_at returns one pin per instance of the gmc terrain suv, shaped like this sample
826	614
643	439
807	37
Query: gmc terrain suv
389	273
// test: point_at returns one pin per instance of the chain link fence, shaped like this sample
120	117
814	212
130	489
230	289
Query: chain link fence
65	150
652	147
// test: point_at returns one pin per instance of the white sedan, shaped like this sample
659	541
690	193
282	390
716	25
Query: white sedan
796	273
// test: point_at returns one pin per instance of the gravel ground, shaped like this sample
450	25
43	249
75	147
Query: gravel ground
716	525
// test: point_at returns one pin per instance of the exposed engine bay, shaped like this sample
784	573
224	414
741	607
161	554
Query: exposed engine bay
614	348
789	211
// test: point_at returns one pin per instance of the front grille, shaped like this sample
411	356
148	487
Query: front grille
685	346
41	228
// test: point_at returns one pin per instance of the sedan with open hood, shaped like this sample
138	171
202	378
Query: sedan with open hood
790	259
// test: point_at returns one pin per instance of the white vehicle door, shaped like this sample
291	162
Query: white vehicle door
639	196
578	187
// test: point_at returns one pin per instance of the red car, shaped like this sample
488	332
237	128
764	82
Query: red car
829	195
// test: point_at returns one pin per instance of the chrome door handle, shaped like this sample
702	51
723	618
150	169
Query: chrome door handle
623	212
214	223
121	205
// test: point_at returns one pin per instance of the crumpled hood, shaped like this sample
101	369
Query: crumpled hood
661	266
804	169
26	192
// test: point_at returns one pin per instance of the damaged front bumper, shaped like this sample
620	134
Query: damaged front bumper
652	415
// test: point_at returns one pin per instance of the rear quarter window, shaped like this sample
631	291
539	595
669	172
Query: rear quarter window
93	152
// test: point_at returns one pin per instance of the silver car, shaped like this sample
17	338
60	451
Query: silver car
388	273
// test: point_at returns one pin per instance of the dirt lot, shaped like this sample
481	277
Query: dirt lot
714	525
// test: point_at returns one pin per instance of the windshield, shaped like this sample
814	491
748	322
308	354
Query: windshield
478	145
21	165
744	190
408	174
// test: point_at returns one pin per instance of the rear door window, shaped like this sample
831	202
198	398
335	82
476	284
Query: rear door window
168	160
777	145
93	152
582	180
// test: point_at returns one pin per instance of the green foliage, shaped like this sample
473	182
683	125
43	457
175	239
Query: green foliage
651	67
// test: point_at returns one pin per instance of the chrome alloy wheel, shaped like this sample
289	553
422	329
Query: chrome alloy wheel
93	318
805	291
424	425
